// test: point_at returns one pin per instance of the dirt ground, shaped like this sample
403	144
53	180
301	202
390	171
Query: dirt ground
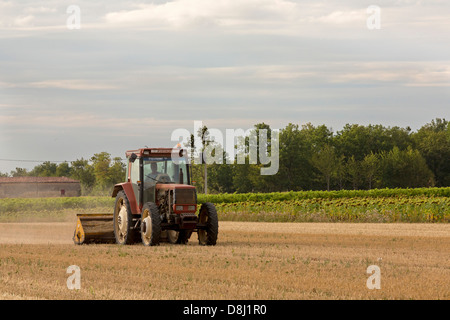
251	261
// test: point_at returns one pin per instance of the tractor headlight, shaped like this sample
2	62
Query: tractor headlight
179	208
191	208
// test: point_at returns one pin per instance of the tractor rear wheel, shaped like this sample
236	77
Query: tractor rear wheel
150	224
208	217
123	220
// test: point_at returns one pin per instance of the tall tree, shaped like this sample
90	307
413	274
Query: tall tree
117	171
81	170
353	169
404	169
325	160
433	142
101	163
242	177
358	140
369	167
19	172
46	169
314	139
294	159
63	170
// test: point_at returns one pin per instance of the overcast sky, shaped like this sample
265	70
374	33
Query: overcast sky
138	70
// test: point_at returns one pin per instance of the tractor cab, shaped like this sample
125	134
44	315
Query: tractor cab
146	168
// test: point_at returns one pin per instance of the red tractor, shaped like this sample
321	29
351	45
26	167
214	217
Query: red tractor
156	203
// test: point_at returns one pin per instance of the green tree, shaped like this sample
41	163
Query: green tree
203	134
359	141
326	161
316	137
101	162
197	177
405	169
46	169
81	170
266	157
19	172
397	137
433	142
220	178
294	159
353	169
369	167
63	170
312	140
219	174
258	129
242	177
117	171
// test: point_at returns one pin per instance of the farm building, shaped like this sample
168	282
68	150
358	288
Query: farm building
36	187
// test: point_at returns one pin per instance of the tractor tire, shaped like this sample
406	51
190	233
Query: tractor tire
172	236
208	216
150	225
178	237
183	236
123	220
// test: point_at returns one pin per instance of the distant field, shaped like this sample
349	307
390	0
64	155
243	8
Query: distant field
251	261
378	205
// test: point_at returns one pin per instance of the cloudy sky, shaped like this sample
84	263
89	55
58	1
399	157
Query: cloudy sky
137	70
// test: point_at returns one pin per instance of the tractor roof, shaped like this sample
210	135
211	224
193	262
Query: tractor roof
152	152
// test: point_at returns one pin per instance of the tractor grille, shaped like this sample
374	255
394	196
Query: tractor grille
185	196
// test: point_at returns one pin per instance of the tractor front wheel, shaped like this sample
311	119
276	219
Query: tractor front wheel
208	217
150	224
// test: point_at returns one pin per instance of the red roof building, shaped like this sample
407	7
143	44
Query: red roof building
38	187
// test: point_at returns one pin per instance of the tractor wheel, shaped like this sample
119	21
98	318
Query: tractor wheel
123	220
150	225
183	236
178	237
172	236
208	216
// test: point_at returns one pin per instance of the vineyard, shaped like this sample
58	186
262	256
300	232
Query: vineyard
377	205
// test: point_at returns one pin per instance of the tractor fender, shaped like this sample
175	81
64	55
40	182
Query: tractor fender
128	189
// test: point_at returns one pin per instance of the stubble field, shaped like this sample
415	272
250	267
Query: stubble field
252	260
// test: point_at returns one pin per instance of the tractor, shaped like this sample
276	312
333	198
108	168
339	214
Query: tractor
156	203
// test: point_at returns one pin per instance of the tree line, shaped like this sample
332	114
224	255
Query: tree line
310	158
356	157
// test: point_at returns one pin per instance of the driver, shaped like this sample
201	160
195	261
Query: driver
154	173
150	179
155	177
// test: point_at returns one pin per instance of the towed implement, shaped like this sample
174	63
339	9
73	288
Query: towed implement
156	203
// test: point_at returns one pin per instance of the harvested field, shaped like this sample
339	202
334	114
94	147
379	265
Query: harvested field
252	260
